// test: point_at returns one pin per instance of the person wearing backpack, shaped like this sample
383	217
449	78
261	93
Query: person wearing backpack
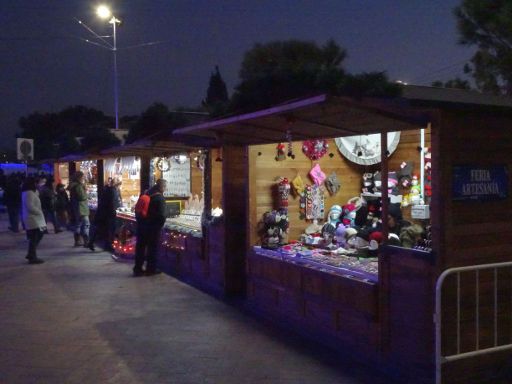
150	216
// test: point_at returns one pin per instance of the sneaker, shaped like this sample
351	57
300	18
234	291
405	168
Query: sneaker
58	231
91	247
36	261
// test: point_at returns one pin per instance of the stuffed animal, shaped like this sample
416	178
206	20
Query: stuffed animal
368	184
391	184
415	193
405	174
275	228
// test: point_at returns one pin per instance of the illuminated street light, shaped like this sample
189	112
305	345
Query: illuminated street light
104	13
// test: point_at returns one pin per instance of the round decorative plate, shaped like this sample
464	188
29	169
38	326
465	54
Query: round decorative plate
365	149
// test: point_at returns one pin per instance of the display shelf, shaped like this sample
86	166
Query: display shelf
365	270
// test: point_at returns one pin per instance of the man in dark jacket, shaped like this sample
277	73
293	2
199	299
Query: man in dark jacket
105	218
149	235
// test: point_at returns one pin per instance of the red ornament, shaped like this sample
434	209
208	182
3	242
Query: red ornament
315	149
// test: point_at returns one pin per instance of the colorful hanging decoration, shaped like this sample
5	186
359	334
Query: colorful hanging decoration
163	164
314	202
290	145
280	152
315	149
283	190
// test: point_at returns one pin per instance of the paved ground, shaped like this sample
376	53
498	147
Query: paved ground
81	318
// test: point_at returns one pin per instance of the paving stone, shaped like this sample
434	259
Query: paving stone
81	318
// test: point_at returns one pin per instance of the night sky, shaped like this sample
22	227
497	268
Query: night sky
45	67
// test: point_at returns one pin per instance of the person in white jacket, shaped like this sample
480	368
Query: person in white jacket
33	217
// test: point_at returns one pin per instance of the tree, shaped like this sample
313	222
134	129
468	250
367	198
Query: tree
487	24
283	70
156	118
457	83
368	84
55	134
217	98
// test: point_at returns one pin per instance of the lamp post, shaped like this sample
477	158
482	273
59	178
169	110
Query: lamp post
104	12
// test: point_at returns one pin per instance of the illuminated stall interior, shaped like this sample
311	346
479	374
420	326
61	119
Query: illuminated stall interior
61	173
127	170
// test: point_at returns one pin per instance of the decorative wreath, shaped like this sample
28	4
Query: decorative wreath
163	164
315	149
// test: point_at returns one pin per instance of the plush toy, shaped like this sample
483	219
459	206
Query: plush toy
415	193
275	228
368	185
391	184
405	174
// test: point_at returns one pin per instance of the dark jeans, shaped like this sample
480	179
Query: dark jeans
34	236
49	215
14	217
148	239
106	227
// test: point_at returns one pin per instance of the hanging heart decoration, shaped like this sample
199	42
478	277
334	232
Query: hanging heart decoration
315	149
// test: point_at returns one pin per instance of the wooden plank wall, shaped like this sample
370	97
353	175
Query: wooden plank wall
216	164
264	171
475	233
235	197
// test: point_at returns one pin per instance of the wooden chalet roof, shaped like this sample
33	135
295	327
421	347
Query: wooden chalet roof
316	117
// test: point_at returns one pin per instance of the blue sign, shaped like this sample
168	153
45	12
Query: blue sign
480	183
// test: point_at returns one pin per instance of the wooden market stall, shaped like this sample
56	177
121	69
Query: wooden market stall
181	252
381	311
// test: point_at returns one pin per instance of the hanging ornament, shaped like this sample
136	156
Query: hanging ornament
200	161
290	146
280	152
163	164
315	149
283	190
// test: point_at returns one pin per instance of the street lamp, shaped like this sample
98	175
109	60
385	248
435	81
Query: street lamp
104	12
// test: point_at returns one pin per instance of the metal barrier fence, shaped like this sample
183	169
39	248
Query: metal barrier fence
440	359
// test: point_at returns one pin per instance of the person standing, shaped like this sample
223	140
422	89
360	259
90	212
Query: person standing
33	218
12	200
105	217
80	208
48	198
149	234
61	205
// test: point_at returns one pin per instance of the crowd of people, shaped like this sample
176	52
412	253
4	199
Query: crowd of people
34	200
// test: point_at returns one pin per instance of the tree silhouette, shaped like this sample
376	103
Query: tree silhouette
217	98
486	24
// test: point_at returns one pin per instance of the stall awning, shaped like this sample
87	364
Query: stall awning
316	117
148	147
